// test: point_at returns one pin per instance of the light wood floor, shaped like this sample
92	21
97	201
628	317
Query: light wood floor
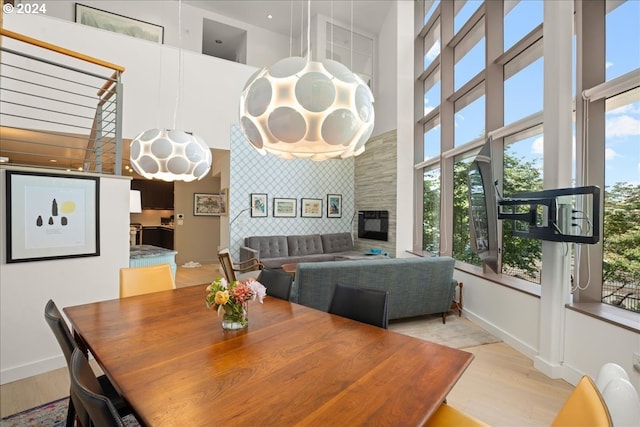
501	387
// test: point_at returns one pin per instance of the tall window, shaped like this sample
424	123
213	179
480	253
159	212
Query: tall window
431	211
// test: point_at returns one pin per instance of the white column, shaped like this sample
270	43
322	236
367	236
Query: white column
557	116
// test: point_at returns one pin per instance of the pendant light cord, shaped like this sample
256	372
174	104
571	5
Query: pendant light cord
309	30
175	111
351	59
291	29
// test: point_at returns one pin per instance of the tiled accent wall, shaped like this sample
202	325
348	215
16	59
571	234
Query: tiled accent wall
375	186
252	172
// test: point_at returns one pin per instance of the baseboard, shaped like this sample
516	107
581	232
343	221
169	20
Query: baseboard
36	368
513	341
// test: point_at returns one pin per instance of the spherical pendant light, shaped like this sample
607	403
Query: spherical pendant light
306	109
170	155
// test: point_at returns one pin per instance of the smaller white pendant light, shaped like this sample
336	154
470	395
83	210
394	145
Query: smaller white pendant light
170	155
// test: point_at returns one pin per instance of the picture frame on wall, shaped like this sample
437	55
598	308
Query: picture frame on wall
334	205
259	205
285	208
51	216
109	21
207	204
311	208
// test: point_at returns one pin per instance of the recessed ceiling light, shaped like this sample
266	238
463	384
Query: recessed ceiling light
270	16
53	160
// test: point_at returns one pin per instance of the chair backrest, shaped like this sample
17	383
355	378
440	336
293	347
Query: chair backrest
87	388
361	304
145	280
623	403
227	265
610	371
63	335
584	407
278	283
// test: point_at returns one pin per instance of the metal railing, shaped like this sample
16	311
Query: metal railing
58	108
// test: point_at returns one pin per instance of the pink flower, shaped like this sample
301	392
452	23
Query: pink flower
257	289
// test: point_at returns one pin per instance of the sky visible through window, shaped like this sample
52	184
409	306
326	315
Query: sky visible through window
622	56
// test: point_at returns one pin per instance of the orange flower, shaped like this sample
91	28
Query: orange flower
221	297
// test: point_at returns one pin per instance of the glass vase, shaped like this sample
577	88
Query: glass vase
236	317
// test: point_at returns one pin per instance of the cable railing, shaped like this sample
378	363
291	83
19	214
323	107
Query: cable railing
59	109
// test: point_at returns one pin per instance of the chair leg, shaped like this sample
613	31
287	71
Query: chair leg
71	413
444	318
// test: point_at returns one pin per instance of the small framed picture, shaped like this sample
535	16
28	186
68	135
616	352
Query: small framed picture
205	204
311	208
284	207
258	205
334	205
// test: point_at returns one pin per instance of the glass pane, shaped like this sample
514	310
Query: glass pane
431	5
432	92
469	122
520	20
431	212
461	233
469	65
623	39
465	12
621	237
432	139
522	257
431	45
523	93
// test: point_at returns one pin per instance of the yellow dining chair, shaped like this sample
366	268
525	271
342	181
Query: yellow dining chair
144	280
584	407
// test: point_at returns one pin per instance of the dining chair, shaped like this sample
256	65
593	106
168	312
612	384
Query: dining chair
145	280
63	335
584	407
448	416
84	385
278	283
249	268
361	304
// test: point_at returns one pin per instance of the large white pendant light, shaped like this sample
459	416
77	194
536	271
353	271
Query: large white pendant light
300	108
171	155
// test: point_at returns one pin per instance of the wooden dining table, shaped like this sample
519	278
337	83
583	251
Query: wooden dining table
168	356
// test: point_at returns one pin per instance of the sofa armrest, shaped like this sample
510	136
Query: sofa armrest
247	253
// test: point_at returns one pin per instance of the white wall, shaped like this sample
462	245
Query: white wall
514	316
210	91
27	345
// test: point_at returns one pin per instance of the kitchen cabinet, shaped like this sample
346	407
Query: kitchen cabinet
154	194
161	237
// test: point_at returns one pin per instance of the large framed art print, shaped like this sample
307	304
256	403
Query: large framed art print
51	216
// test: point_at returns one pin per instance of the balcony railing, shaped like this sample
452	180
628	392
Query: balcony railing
59	109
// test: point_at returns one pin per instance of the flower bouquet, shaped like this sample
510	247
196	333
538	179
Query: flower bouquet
232	300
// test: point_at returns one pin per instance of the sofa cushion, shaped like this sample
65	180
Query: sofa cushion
268	246
308	244
337	242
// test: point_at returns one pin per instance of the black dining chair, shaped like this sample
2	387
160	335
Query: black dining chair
361	304
86	388
278	283
63	335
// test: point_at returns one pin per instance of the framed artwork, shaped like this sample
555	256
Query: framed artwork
334	205
224	203
258	205
311	208
284	207
51	216
118	24
205	204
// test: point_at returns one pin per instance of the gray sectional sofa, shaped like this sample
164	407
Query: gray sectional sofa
273	251
417	286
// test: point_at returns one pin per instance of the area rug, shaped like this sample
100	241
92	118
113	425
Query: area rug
52	414
458	332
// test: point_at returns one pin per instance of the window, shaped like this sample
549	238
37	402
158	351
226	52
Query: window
432	139
622	39
520	18
469	56
469	117
461	234
464	9
523	89
432	92
621	239
522	172
431	211
432	45
429	7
